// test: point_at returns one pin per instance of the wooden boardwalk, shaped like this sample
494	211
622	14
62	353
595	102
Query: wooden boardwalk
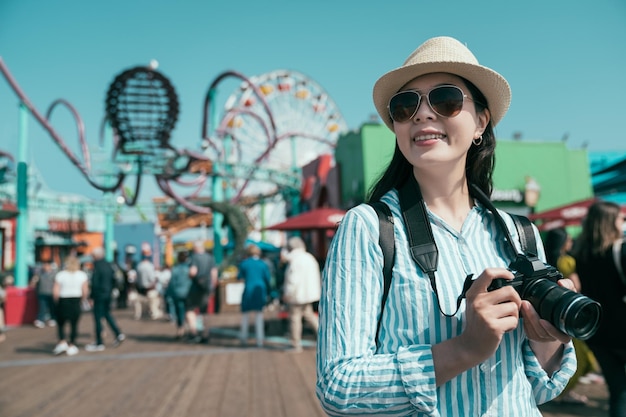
153	375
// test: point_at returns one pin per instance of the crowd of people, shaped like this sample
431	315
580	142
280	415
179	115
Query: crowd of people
179	293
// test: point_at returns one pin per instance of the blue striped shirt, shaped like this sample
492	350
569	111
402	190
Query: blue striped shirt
354	377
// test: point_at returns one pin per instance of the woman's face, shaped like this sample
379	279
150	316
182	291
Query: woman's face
433	142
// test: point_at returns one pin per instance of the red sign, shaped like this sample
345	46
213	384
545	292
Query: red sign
68	226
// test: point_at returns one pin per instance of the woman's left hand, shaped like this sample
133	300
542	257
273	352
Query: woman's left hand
540	330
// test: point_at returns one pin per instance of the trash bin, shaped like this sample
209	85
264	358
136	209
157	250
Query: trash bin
20	306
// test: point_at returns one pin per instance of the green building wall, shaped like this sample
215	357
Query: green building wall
562	173
362	156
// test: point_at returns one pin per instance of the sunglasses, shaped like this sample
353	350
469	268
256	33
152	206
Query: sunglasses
445	100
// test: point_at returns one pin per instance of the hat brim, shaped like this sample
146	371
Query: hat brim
493	86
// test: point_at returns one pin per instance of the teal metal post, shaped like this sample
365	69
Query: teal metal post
263	233
21	267
295	197
109	200
109	240
218	195
218	218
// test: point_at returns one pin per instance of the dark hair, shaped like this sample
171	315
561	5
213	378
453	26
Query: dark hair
478	166
599	230
554	242
181	257
253	250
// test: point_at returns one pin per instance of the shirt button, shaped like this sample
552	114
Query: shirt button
483	367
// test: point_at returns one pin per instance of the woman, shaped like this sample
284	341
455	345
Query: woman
256	275
558	247
600	280
442	106
70	288
177	291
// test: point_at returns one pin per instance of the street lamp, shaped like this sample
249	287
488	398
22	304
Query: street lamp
532	191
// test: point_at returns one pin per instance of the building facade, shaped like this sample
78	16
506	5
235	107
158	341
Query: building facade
529	175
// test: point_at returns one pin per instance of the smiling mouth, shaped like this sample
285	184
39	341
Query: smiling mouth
424	138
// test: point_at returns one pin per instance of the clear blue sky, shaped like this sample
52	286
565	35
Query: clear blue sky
565	60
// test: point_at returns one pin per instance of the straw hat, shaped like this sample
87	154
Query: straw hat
444	54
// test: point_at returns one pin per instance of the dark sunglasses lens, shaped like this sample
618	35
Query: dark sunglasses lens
402	106
446	101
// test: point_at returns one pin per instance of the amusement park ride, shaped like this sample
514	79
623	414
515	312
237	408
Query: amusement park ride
247	170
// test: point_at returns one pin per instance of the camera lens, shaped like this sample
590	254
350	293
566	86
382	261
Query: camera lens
582	317
572	313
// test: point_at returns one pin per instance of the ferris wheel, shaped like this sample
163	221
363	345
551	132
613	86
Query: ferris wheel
278	121
282	119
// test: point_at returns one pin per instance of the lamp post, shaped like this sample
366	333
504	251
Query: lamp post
532	191
22	248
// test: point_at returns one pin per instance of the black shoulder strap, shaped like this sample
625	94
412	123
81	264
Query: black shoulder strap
421	240
482	197
526	234
387	243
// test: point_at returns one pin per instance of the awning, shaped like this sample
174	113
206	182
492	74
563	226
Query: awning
317	219
44	238
8	210
264	246
567	215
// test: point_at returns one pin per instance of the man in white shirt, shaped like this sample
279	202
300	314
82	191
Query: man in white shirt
302	288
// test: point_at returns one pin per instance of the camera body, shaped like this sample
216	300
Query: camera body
526	270
535	281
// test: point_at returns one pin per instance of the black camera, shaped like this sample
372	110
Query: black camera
570	312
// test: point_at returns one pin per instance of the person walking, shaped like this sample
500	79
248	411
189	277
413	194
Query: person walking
121	282
600	260
3	297
146	287
302	287
256	276
558	246
203	273
441	344
102	283
70	288
177	291
43	282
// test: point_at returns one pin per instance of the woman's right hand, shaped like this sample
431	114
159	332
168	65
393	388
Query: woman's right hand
489	314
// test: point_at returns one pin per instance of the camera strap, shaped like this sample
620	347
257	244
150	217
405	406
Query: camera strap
423	248
421	239
522	224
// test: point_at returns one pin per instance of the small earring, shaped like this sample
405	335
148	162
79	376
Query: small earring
478	141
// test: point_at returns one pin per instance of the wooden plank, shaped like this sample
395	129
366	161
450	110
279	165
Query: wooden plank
299	396
266	378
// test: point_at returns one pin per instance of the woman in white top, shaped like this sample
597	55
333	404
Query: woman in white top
70	288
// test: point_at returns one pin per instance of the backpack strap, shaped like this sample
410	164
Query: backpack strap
387	243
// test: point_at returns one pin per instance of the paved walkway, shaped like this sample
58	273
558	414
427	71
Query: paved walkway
153	375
